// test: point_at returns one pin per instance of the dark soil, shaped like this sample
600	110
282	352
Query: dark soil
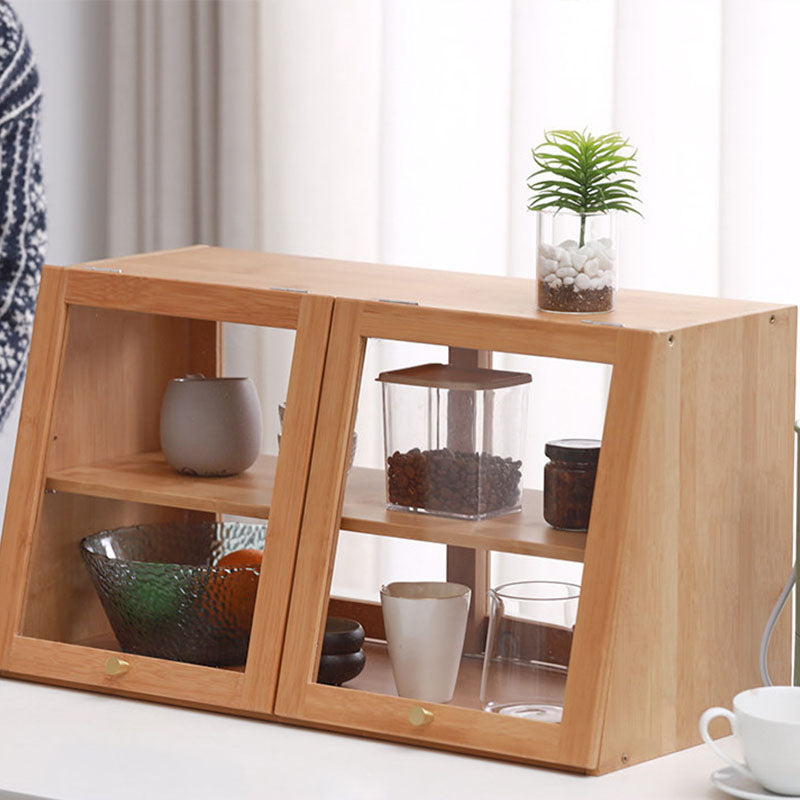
565	298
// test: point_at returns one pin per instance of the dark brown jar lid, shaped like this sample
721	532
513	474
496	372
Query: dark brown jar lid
579	451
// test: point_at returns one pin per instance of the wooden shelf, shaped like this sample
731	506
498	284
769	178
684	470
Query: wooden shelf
147	478
525	533
377	678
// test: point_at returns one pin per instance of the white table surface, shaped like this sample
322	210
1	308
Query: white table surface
71	745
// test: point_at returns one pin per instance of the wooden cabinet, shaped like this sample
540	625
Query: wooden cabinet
690	538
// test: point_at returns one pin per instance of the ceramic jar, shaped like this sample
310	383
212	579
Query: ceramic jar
210	427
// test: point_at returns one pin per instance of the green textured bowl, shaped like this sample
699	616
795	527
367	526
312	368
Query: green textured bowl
164	595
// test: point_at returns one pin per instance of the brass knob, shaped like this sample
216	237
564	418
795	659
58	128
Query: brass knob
116	666
420	716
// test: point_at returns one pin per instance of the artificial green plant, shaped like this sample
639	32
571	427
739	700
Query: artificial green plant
584	173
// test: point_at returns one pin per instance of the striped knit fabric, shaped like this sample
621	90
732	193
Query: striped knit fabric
22	207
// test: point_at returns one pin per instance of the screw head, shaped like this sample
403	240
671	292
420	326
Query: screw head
771	319
624	758
671	341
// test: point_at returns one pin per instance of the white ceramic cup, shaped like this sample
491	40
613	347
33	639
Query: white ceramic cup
767	723
425	627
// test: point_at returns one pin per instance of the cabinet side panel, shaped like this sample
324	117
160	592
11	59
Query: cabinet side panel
736	508
715	548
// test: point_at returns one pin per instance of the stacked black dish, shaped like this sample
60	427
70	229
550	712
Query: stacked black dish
342	657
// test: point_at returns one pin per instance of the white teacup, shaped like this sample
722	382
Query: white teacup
767	723
425	625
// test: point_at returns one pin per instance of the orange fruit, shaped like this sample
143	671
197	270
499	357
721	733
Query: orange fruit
231	596
248	557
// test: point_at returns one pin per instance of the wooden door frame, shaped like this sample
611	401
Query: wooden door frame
73	665
575	742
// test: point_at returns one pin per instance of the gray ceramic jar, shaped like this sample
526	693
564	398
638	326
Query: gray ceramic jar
210	427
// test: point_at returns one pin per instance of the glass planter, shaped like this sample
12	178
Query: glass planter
576	261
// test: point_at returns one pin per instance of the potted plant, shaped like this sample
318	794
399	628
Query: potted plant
581	182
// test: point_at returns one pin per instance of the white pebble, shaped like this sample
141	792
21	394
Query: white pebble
604	261
564	258
569	281
606	244
578	261
547	265
566	272
588	250
547	250
594	283
592	267
582	281
569	245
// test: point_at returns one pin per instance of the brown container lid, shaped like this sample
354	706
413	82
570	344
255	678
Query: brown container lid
582	451
447	376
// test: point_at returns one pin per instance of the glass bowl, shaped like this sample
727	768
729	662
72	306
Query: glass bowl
164	594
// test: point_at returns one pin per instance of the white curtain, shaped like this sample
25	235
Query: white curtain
186	148
183	125
400	131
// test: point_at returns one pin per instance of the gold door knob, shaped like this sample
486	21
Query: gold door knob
116	666
420	716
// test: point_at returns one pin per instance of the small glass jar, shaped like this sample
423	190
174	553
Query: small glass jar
569	479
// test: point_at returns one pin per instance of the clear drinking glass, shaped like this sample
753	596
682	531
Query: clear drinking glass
528	647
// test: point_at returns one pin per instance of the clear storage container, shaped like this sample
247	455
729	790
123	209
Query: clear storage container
453	440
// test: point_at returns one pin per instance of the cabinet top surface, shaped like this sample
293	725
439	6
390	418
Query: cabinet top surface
449	290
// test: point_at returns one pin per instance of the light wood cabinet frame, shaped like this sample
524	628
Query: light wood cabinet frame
690	539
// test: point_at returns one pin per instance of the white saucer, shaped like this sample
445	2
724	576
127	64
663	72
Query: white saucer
733	782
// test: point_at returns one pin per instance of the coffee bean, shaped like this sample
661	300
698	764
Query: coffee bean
466	484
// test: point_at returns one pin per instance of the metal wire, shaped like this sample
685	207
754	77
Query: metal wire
787	590
773	618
